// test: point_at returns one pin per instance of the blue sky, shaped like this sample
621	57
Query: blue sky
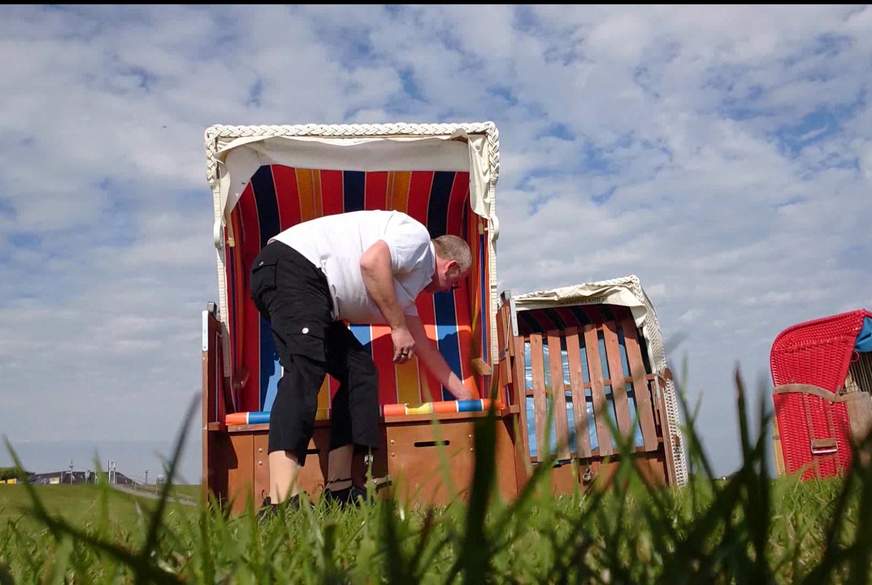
723	154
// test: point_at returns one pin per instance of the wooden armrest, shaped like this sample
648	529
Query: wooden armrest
481	368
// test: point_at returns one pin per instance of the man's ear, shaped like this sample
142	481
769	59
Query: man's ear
452	268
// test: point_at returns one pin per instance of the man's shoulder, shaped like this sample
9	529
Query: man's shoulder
398	219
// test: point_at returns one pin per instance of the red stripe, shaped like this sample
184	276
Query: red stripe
457	203
331	192
287	198
383	356
249	241
235	300
419	195
376	190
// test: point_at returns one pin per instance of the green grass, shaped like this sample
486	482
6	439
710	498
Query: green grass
77	503
747	529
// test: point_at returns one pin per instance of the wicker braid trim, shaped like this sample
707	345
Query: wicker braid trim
218	135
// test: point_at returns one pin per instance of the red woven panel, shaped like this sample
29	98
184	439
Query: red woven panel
816	352
796	438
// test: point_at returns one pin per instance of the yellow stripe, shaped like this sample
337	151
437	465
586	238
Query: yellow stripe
425	394
408	390
324	394
426	408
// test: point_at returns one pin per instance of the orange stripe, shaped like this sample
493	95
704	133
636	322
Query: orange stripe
408	383
445	406
324	394
306	192
318	193
399	193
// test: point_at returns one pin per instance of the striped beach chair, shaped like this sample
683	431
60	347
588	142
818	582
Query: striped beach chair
584	361
241	366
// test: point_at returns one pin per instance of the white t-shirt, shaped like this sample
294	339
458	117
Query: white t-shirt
335	244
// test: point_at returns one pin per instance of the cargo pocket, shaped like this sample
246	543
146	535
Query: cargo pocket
263	280
302	337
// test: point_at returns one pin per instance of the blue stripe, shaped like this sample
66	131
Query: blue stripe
268	217
447	338
864	338
437	212
469	406
363	333
354	190
258	418
555	318
526	323
580	315
270	368
267	208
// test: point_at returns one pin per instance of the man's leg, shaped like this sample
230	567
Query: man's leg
293	295
292	422
355	409
283	472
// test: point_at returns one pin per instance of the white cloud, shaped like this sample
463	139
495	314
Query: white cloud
677	143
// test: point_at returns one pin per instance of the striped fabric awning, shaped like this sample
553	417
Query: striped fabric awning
278	197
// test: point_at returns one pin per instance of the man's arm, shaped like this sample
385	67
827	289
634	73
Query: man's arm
434	361
375	267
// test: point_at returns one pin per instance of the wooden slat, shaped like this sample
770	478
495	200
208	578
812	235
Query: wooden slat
539	401
644	408
579	403
616	378
603	432
558	398
520	387
503	350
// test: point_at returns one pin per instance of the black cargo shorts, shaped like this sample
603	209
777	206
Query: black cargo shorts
294	296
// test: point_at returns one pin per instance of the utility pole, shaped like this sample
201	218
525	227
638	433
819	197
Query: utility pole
71	472
146	477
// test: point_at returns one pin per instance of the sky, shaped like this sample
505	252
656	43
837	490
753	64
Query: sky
722	154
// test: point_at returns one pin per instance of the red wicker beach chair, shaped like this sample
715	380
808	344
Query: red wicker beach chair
820	370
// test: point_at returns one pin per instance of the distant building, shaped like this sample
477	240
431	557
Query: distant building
78	477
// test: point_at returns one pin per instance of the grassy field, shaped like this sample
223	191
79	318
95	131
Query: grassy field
745	529
78	503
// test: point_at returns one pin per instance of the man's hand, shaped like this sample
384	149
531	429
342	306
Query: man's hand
433	360
404	344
